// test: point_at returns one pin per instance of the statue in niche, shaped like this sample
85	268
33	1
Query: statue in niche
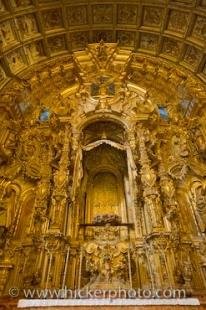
179	144
6	208
57	151
199	139
168	189
187	272
171	211
198	192
178	164
40	218
7	148
102	51
153	206
143	269
202	253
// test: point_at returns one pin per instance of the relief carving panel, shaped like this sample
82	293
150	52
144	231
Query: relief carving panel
126	38
16	61
192	56
7	36
77	15
57	44
152	16
149	41
79	39
199	30
178	21
102	14
35	51
127	14
27	25
52	19
171	47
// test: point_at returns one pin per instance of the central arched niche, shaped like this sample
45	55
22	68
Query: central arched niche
105	167
105	174
104	194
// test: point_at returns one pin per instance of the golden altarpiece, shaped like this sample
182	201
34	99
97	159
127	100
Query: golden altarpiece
103	175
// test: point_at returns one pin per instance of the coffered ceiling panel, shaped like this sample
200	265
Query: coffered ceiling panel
77	15
178	21
36	30
153	16
127	14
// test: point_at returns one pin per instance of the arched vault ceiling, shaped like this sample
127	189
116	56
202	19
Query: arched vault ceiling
33	31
